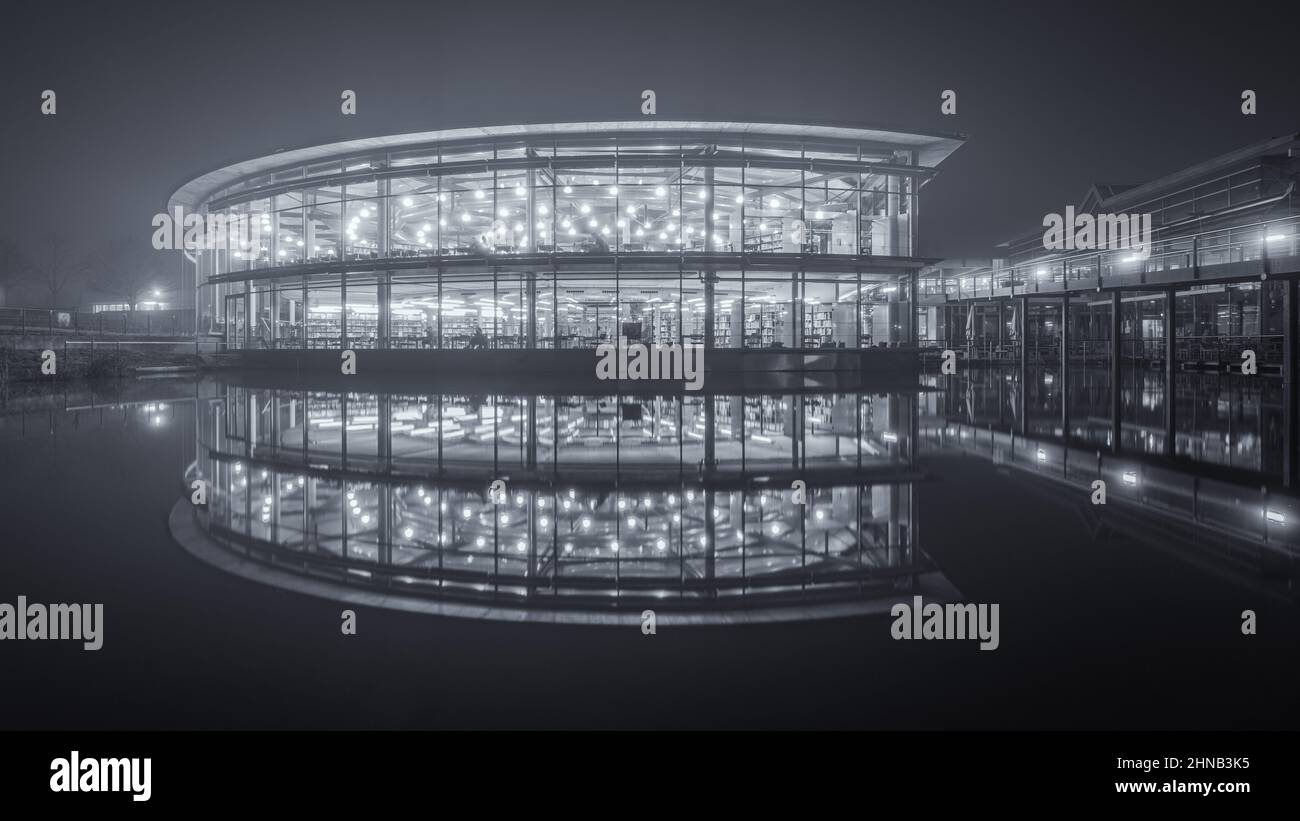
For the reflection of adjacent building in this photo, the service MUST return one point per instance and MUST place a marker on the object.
(679, 501)
(1215, 494)
(1222, 419)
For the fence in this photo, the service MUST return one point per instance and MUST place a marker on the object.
(102, 323)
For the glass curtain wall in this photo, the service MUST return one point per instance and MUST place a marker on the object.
(592, 195)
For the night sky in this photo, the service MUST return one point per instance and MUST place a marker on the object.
(1052, 96)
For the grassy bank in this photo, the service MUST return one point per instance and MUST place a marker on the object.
(20, 369)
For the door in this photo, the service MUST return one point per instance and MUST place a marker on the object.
(236, 322)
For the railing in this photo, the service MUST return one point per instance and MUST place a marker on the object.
(55, 321)
(194, 347)
(1236, 244)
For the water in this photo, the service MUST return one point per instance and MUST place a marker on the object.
(1125, 615)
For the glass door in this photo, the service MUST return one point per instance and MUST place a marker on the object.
(236, 321)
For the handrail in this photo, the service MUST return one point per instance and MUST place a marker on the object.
(1184, 248)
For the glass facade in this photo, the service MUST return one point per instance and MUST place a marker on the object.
(564, 240)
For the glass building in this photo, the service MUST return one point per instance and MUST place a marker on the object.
(733, 235)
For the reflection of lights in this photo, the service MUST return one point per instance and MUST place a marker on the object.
(660, 544)
(889, 436)
(1042, 455)
(1275, 517)
(408, 533)
(586, 523)
(465, 513)
(821, 514)
(1130, 478)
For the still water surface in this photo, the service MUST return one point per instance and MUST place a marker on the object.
(1123, 615)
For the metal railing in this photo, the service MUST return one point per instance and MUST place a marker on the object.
(1244, 243)
(103, 323)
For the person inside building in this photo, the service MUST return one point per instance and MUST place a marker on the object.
(478, 340)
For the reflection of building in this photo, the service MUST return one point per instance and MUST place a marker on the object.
(609, 502)
(734, 235)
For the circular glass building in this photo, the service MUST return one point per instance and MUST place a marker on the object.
(745, 236)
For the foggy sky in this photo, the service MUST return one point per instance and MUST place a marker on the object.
(1052, 96)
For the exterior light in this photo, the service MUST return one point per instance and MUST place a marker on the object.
(407, 202)
(1130, 478)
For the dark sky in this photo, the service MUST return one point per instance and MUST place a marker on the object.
(1052, 96)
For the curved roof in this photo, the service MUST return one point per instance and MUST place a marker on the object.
(931, 148)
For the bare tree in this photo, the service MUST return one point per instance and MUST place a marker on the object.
(126, 268)
(55, 268)
(15, 267)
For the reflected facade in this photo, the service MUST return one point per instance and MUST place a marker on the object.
(609, 502)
